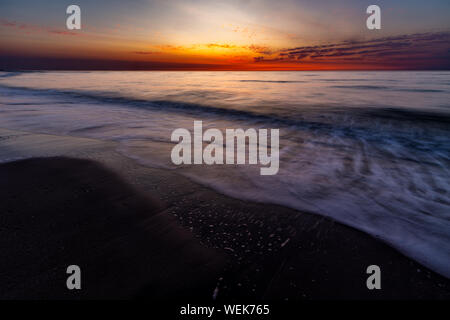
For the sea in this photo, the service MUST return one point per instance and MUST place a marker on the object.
(368, 149)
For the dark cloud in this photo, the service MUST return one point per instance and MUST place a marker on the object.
(428, 49)
(146, 52)
(22, 62)
(28, 28)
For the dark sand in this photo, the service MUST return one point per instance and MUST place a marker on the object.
(55, 212)
(60, 211)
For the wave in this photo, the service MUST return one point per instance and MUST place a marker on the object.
(10, 74)
(274, 81)
(290, 120)
(417, 130)
(409, 115)
(367, 87)
(419, 90)
(373, 87)
(355, 79)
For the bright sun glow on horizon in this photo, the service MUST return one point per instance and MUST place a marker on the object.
(231, 35)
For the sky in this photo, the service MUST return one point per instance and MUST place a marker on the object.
(225, 35)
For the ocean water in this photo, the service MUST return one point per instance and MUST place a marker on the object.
(368, 149)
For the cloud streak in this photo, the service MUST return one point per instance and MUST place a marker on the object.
(28, 28)
(421, 50)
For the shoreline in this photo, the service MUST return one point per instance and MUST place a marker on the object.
(271, 252)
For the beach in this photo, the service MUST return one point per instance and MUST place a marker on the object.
(225, 158)
(142, 232)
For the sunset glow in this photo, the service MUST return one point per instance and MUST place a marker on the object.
(231, 35)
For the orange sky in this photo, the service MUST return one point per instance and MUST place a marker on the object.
(216, 35)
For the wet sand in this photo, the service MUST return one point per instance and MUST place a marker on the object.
(150, 233)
